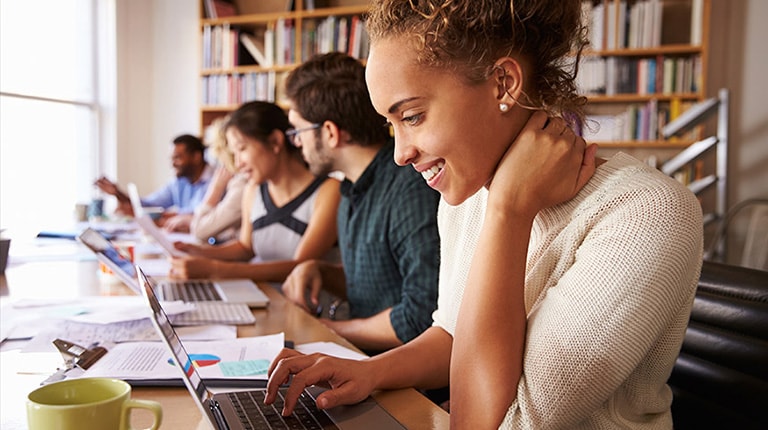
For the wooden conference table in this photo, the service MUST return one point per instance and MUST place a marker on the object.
(47, 279)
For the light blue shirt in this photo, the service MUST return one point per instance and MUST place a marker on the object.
(185, 196)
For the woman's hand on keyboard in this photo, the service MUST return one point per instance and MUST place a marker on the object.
(350, 381)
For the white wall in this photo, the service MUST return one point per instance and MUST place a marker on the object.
(738, 62)
(751, 125)
(157, 86)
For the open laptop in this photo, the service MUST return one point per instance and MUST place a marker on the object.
(191, 290)
(246, 409)
(133, 195)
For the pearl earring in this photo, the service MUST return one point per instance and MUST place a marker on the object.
(503, 107)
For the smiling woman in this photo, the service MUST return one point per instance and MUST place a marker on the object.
(50, 114)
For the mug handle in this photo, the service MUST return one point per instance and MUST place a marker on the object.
(152, 406)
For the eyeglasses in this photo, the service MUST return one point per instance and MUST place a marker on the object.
(293, 133)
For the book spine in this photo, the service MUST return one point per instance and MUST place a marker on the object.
(697, 15)
(206, 47)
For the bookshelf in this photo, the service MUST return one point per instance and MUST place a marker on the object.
(248, 46)
(646, 64)
(645, 78)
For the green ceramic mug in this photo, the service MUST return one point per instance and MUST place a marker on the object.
(86, 404)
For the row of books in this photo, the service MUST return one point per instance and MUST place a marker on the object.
(220, 47)
(638, 122)
(236, 89)
(225, 46)
(642, 23)
(629, 75)
(334, 34)
(637, 26)
(219, 8)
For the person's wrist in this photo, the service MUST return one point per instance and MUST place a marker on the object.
(506, 214)
(378, 368)
(510, 205)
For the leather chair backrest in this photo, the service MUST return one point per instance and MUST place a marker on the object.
(720, 379)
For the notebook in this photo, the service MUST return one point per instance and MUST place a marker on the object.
(192, 290)
(246, 409)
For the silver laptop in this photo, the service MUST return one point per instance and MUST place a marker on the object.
(191, 290)
(133, 195)
(246, 409)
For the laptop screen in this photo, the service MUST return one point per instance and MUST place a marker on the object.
(102, 246)
(133, 195)
(191, 378)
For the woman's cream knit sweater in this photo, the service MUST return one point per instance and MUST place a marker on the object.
(610, 281)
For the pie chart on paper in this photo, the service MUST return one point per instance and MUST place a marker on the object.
(202, 360)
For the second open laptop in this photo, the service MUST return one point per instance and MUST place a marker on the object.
(135, 198)
(246, 409)
(226, 290)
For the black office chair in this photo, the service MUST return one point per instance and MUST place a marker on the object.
(720, 379)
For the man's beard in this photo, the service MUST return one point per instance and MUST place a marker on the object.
(321, 164)
(184, 172)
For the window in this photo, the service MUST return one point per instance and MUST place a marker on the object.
(55, 60)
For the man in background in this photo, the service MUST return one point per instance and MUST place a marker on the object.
(387, 218)
(181, 195)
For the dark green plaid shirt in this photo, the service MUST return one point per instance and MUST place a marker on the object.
(389, 244)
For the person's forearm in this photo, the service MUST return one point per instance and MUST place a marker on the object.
(229, 251)
(121, 196)
(421, 363)
(217, 187)
(490, 330)
(272, 271)
(203, 222)
(210, 221)
(372, 334)
(214, 195)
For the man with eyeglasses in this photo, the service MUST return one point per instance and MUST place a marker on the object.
(387, 218)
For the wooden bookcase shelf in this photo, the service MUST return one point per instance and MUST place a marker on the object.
(260, 18)
(647, 52)
(642, 98)
(645, 77)
(646, 64)
(285, 32)
(644, 144)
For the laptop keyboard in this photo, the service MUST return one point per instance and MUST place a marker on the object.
(215, 313)
(254, 414)
(190, 291)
